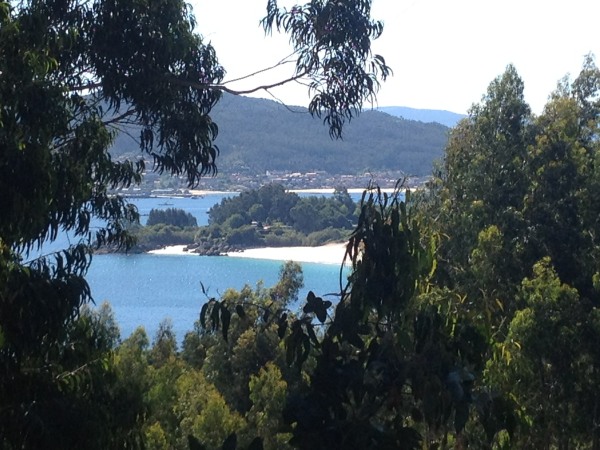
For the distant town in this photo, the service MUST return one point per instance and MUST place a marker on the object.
(154, 184)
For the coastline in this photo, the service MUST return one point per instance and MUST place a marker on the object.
(204, 192)
(195, 193)
(324, 254)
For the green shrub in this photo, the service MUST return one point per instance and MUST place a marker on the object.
(171, 216)
(324, 236)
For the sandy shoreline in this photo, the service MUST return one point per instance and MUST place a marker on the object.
(171, 250)
(324, 254)
(203, 192)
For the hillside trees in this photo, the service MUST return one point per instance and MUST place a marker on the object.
(70, 73)
(484, 174)
(230, 377)
(521, 252)
(271, 204)
(392, 366)
(171, 216)
(401, 144)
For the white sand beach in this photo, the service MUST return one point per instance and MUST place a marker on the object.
(171, 250)
(202, 193)
(324, 254)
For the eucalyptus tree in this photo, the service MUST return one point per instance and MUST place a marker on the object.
(484, 177)
(518, 212)
(70, 74)
(550, 362)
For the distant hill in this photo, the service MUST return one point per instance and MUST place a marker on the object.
(257, 135)
(450, 119)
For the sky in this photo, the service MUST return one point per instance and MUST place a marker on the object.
(444, 53)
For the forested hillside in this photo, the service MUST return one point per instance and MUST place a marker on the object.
(258, 135)
(448, 118)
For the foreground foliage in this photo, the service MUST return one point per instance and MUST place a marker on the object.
(470, 317)
(71, 73)
(517, 200)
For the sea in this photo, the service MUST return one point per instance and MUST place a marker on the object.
(145, 289)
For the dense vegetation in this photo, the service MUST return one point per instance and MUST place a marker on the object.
(268, 216)
(171, 216)
(470, 317)
(277, 212)
(71, 74)
(164, 227)
(258, 135)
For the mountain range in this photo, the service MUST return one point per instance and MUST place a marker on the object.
(257, 135)
(448, 118)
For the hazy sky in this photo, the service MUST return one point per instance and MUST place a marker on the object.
(444, 53)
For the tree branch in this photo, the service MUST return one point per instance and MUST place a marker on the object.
(221, 87)
(266, 69)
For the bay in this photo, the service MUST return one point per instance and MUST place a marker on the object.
(144, 289)
(196, 206)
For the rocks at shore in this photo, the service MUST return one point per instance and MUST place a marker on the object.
(211, 248)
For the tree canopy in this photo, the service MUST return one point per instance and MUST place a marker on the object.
(171, 216)
(470, 317)
(514, 202)
(70, 74)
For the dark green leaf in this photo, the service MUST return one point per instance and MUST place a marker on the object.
(256, 444)
(230, 443)
(321, 314)
(290, 349)
(355, 340)
(239, 309)
(225, 320)
(203, 315)
(214, 315)
(194, 444)
(281, 328)
(311, 333)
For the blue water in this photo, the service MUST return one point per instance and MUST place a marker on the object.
(145, 289)
(197, 207)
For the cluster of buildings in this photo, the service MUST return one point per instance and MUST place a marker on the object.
(154, 184)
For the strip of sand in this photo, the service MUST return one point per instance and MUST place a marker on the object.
(202, 192)
(324, 254)
(171, 250)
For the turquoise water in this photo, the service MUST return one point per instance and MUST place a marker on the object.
(144, 289)
(198, 207)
